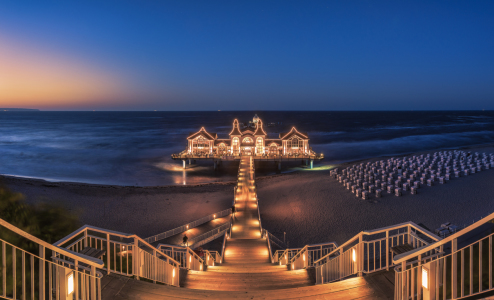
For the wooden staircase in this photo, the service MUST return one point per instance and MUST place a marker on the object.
(246, 265)
(246, 271)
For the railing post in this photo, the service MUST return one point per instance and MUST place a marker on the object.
(360, 255)
(155, 264)
(490, 262)
(85, 238)
(41, 272)
(419, 278)
(187, 258)
(93, 282)
(387, 250)
(454, 268)
(404, 281)
(409, 231)
(108, 260)
(76, 281)
(342, 266)
(135, 258)
(62, 282)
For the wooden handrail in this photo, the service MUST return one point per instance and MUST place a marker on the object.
(407, 255)
(74, 255)
(381, 230)
(111, 232)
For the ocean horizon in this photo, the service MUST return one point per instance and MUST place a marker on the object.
(134, 148)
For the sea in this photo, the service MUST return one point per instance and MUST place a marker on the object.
(134, 148)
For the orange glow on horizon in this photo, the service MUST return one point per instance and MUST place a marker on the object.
(34, 78)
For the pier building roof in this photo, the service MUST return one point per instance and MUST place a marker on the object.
(235, 130)
(294, 131)
(204, 133)
(259, 129)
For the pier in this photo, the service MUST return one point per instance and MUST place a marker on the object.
(253, 142)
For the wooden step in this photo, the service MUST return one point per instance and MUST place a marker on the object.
(355, 288)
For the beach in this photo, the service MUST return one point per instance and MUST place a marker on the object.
(309, 205)
(144, 211)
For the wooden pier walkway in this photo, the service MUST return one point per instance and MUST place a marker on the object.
(246, 264)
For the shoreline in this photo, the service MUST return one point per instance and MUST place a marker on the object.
(230, 182)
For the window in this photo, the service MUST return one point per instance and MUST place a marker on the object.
(235, 143)
(273, 148)
(202, 142)
(222, 148)
(247, 140)
(260, 145)
(295, 143)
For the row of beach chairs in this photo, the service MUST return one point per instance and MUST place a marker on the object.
(407, 174)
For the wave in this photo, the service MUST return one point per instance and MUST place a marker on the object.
(427, 126)
(407, 144)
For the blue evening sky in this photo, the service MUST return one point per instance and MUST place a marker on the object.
(272, 55)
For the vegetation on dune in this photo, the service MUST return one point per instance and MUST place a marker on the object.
(45, 221)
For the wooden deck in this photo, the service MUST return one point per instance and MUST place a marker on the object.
(377, 286)
(238, 158)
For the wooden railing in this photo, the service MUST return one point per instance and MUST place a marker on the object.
(185, 256)
(25, 275)
(368, 251)
(443, 270)
(210, 235)
(306, 257)
(184, 155)
(210, 257)
(187, 226)
(125, 254)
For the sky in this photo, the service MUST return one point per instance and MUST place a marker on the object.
(247, 55)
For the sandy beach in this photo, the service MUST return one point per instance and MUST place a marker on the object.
(309, 205)
(144, 211)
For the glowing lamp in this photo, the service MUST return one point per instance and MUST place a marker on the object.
(214, 216)
(200, 267)
(293, 266)
(425, 278)
(173, 272)
(354, 256)
(187, 226)
(303, 257)
(190, 258)
(70, 283)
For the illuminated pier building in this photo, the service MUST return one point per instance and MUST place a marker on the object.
(249, 141)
